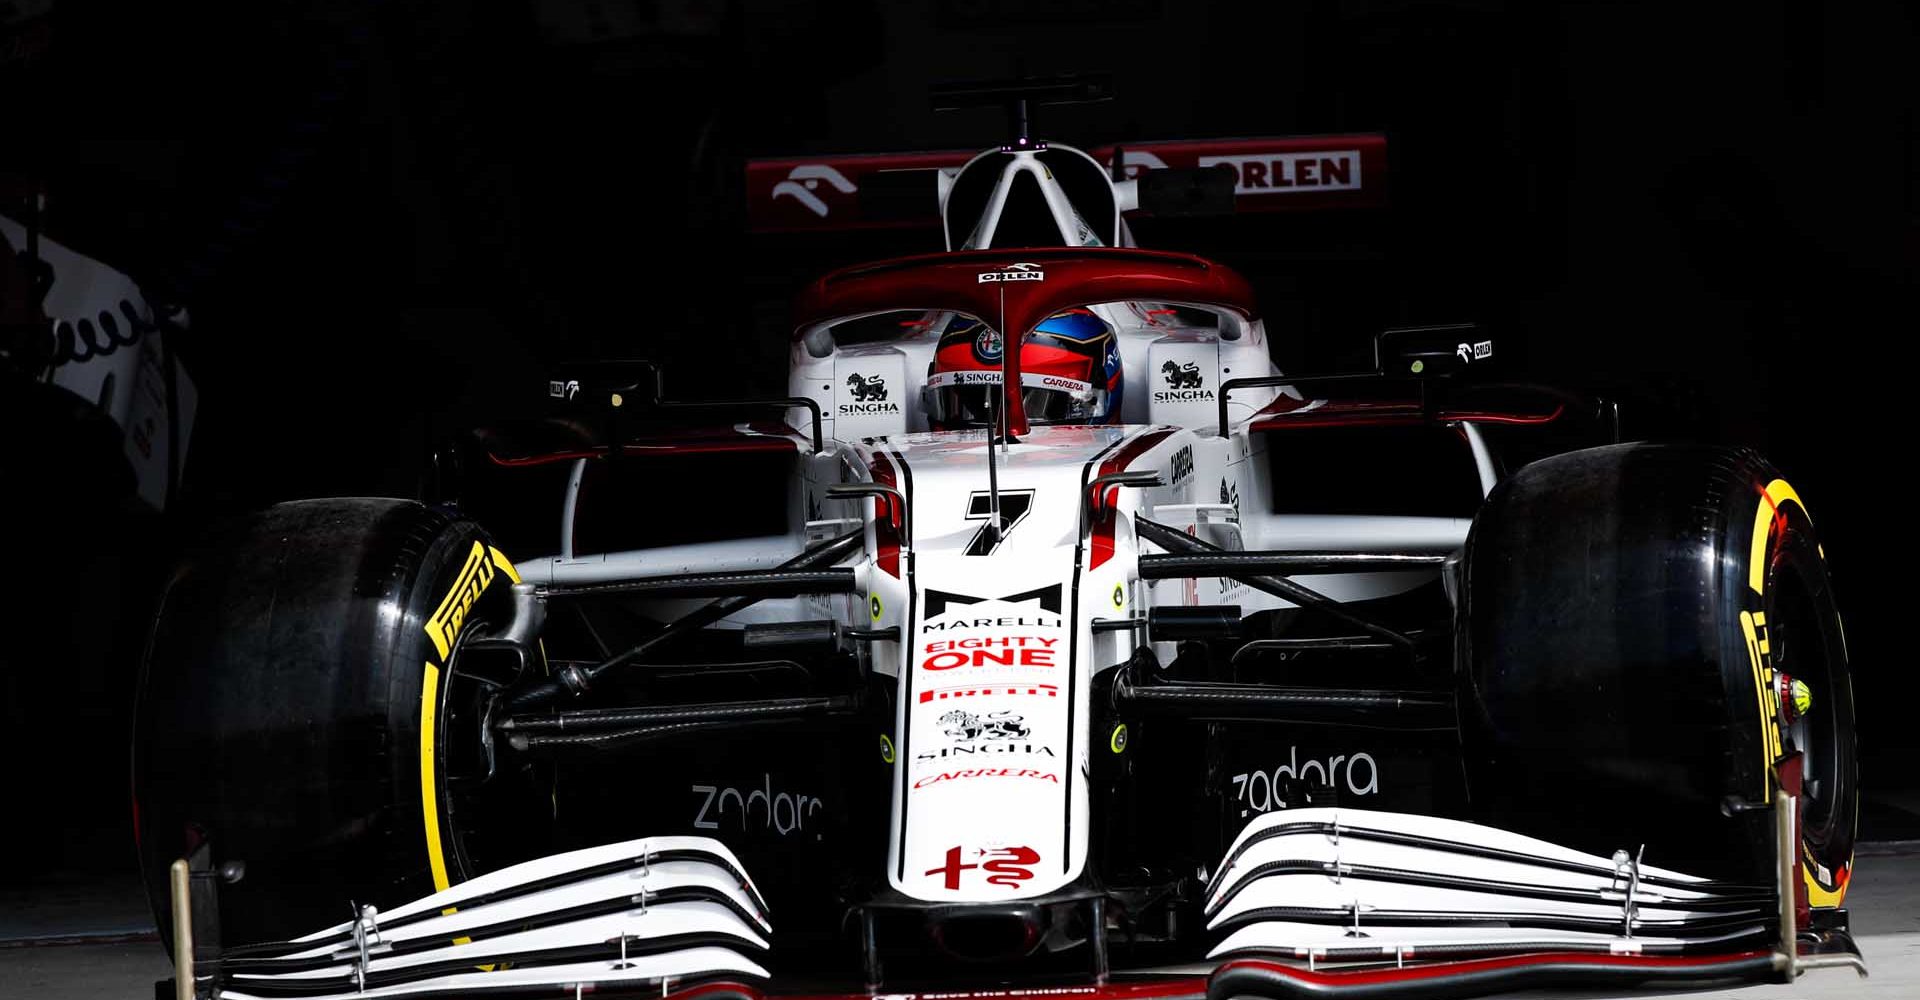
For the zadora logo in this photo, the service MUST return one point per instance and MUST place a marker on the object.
(1261, 791)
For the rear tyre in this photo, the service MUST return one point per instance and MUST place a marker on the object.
(303, 709)
(1628, 611)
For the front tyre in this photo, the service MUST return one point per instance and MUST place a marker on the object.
(303, 709)
(1629, 614)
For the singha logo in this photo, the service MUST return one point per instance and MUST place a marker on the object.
(867, 396)
(968, 727)
(1230, 493)
(1185, 376)
(867, 389)
(1185, 384)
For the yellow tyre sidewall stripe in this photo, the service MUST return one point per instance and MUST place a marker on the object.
(442, 637)
(1776, 496)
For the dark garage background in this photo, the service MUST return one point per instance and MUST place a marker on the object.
(387, 219)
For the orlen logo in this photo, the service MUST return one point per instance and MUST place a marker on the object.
(1014, 272)
(803, 179)
(1139, 161)
(1284, 173)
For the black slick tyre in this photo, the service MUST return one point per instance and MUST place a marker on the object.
(1628, 612)
(302, 709)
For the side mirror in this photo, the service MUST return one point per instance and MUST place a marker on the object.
(604, 384)
(1432, 351)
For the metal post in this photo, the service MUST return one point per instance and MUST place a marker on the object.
(182, 931)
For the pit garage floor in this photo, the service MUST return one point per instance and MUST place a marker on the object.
(112, 953)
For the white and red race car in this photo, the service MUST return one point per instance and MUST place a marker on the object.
(1113, 664)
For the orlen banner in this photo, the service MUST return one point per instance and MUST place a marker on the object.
(988, 752)
(1275, 174)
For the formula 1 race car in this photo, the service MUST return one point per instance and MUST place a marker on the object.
(1044, 640)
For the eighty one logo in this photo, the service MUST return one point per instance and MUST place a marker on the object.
(804, 179)
(967, 727)
(867, 388)
(1014, 272)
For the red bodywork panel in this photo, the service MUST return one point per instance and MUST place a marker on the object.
(819, 193)
(1042, 282)
(1286, 413)
(760, 436)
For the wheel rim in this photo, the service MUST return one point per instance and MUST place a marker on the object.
(1806, 644)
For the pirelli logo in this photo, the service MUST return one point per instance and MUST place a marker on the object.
(444, 626)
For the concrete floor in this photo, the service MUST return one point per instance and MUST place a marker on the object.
(1885, 901)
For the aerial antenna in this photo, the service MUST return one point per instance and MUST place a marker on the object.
(1020, 96)
(995, 414)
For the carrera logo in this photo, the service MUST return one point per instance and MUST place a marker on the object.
(1285, 173)
(804, 179)
(1185, 384)
(1476, 352)
(975, 691)
(564, 390)
(444, 626)
(986, 772)
(1014, 272)
(1182, 465)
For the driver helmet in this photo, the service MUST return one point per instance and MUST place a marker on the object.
(1069, 372)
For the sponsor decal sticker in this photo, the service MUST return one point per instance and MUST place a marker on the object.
(1469, 353)
(444, 626)
(981, 690)
(1007, 866)
(1184, 384)
(1295, 173)
(991, 651)
(1047, 597)
(1260, 791)
(804, 179)
(758, 810)
(1182, 464)
(1014, 505)
(869, 395)
(1014, 272)
(987, 345)
(985, 772)
(966, 727)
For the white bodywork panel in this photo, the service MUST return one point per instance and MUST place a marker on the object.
(127, 382)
